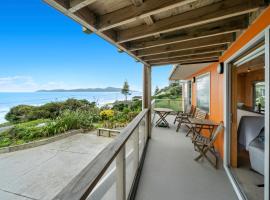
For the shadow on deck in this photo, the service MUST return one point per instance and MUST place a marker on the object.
(170, 173)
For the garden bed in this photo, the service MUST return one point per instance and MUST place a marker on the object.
(38, 142)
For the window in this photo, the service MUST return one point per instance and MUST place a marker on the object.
(259, 94)
(189, 92)
(203, 92)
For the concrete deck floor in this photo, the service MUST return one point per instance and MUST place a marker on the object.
(42, 172)
(170, 173)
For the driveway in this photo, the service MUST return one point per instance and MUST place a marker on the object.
(42, 172)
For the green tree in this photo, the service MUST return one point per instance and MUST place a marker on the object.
(125, 90)
(156, 90)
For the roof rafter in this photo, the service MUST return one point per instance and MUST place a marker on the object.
(183, 57)
(76, 5)
(207, 14)
(148, 19)
(201, 51)
(132, 13)
(203, 31)
(194, 44)
(186, 61)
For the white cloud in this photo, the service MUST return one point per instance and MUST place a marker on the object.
(26, 84)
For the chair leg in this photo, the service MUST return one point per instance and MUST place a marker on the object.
(189, 131)
(203, 151)
(176, 118)
(179, 125)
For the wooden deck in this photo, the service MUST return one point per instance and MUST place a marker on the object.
(169, 171)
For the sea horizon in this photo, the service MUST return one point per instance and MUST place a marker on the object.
(11, 99)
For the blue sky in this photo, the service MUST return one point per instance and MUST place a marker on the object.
(41, 48)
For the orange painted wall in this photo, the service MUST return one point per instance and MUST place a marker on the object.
(217, 91)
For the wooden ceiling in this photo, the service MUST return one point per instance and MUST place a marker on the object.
(160, 32)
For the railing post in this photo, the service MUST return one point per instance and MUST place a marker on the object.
(147, 97)
(121, 174)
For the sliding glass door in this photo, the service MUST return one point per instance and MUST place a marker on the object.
(246, 158)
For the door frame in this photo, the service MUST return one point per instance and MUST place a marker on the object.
(265, 34)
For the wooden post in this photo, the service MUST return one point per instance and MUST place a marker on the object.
(121, 175)
(147, 97)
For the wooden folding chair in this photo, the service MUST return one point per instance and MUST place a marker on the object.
(199, 114)
(179, 115)
(183, 117)
(203, 145)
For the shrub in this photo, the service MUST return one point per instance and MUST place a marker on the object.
(136, 105)
(26, 131)
(69, 120)
(24, 113)
(107, 114)
(120, 106)
(29, 131)
(19, 113)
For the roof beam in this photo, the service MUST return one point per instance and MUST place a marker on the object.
(206, 30)
(87, 16)
(137, 2)
(76, 5)
(201, 51)
(185, 61)
(148, 19)
(132, 13)
(207, 14)
(194, 44)
(187, 57)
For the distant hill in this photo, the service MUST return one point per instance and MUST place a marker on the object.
(107, 89)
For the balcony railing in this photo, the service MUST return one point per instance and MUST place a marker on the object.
(114, 173)
(174, 104)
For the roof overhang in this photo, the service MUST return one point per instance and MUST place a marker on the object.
(159, 33)
(183, 72)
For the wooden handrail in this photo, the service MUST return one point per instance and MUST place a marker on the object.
(81, 186)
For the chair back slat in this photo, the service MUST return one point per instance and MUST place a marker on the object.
(218, 130)
(200, 114)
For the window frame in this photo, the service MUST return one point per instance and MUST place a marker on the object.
(254, 92)
(209, 91)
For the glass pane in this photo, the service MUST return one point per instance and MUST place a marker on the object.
(106, 187)
(141, 137)
(130, 162)
(259, 90)
(174, 104)
(203, 92)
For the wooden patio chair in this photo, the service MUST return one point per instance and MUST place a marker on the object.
(183, 116)
(199, 114)
(188, 111)
(203, 145)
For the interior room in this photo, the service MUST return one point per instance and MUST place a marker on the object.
(248, 84)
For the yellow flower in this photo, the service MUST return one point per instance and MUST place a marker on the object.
(107, 113)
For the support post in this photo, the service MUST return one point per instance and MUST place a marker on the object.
(147, 97)
(121, 175)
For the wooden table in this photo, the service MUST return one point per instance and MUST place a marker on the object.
(163, 113)
(200, 124)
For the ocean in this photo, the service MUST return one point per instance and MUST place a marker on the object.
(9, 100)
